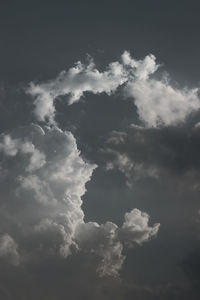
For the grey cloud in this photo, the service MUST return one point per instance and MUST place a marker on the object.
(157, 153)
(11, 147)
(103, 241)
(9, 249)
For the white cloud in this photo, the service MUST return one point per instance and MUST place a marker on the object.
(159, 104)
(50, 190)
(141, 69)
(75, 82)
(135, 229)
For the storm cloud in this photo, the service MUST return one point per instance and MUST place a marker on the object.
(99, 150)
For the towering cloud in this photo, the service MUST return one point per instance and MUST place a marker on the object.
(42, 180)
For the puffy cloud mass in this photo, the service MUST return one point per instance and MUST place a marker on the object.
(46, 188)
(75, 82)
(107, 240)
(42, 180)
(158, 102)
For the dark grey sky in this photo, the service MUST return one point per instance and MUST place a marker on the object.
(152, 167)
(41, 38)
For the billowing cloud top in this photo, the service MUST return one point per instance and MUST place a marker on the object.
(75, 82)
(158, 102)
(41, 213)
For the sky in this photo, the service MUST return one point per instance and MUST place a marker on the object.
(99, 150)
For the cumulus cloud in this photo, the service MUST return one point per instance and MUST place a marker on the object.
(158, 102)
(48, 193)
(135, 229)
(140, 69)
(107, 240)
(75, 82)
(43, 178)
(12, 147)
(103, 241)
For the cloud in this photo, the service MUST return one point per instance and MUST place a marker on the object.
(132, 169)
(170, 154)
(12, 147)
(103, 241)
(135, 229)
(75, 82)
(9, 249)
(107, 240)
(43, 178)
(140, 69)
(45, 193)
(158, 102)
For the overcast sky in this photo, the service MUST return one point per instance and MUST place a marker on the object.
(100, 150)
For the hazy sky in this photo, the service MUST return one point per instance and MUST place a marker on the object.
(99, 150)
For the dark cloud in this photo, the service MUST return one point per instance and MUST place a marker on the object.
(191, 266)
(140, 152)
